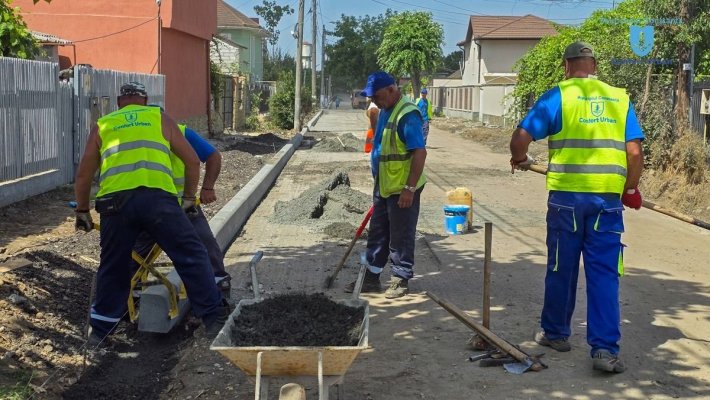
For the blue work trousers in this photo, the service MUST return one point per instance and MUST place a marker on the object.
(145, 242)
(158, 213)
(392, 234)
(591, 225)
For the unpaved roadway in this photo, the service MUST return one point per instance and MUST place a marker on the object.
(419, 351)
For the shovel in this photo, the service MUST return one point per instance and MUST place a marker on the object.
(331, 278)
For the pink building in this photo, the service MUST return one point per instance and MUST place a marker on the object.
(138, 36)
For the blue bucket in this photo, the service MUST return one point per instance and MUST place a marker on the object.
(455, 219)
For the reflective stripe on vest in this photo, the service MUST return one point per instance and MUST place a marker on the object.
(589, 153)
(395, 160)
(178, 170)
(134, 152)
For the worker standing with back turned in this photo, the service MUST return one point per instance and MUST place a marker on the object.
(398, 157)
(131, 147)
(595, 163)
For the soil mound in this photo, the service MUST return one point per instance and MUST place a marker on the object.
(343, 143)
(330, 201)
(298, 320)
(343, 230)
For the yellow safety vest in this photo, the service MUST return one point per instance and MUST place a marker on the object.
(134, 152)
(395, 160)
(178, 169)
(589, 153)
(429, 109)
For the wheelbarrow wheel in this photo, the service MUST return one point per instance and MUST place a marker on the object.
(292, 391)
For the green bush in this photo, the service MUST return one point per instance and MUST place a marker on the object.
(281, 104)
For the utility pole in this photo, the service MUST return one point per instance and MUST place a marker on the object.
(299, 67)
(322, 70)
(330, 88)
(314, 36)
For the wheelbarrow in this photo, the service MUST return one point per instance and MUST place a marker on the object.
(328, 363)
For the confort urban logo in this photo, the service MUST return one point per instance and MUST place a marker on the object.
(641, 38)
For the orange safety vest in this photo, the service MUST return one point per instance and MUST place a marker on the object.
(369, 138)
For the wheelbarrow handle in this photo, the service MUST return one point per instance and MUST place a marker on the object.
(252, 267)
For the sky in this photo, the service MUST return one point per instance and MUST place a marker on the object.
(453, 15)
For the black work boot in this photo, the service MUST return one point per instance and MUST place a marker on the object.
(371, 284)
(213, 327)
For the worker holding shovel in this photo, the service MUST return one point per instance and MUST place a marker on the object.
(398, 156)
(596, 160)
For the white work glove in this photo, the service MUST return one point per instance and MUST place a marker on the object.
(521, 165)
(189, 206)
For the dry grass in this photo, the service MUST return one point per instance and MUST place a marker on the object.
(683, 183)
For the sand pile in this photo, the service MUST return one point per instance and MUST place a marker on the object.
(346, 142)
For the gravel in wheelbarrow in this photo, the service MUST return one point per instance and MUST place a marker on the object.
(295, 335)
(298, 320)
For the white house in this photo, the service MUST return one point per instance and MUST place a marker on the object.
(226, 54)
(492, 46)
(494, 43)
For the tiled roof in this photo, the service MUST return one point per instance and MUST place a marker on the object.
(229, 17)
(508, 27)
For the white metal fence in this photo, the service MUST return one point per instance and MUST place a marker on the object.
(486, 103)
(44, 123)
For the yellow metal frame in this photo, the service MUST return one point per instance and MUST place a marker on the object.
(146, 267)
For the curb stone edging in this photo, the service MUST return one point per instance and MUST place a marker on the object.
(231, 218)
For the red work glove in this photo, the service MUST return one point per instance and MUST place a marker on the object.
(632, 198)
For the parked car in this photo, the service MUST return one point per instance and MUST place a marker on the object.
(358, 101)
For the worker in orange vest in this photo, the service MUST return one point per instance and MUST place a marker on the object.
(372, 113)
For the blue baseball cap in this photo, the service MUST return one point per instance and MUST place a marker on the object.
(424, 91)
(376, 81)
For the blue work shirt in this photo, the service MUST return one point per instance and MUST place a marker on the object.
(424, 108)
(202, 147)
(409, 131)
(545, 118)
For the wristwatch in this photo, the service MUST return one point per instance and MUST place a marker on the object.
(410, 188)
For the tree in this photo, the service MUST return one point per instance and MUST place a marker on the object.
(411, 46)
(352, 57)
(451, 62)
(677, 39)
(15, 38)
(272, 14)
(540, 68)
(277, 63)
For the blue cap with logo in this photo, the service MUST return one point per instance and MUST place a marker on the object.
(376, 81)
(424, 91)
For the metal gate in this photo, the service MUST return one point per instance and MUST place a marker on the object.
(227, 106)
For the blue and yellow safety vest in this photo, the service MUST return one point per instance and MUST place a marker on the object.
(134, 152)
(589, 153)
(395, 160)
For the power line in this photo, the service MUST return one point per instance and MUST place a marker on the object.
(463, 9)
(115, 33)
